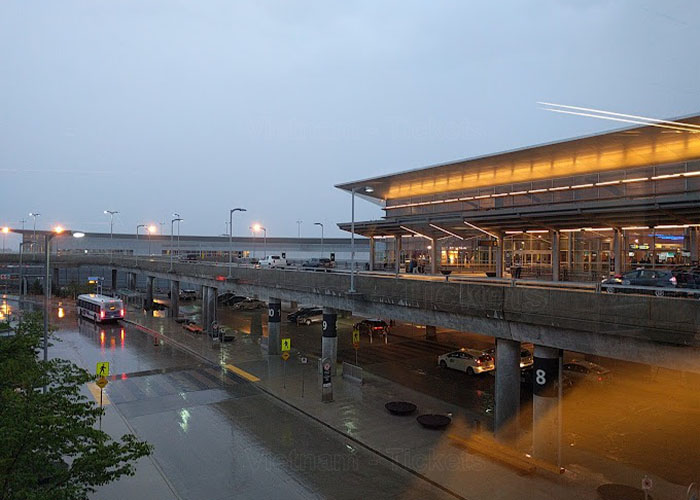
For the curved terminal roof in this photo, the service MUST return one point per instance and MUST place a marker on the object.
(620, 149)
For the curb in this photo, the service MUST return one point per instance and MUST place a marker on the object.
(303, 412)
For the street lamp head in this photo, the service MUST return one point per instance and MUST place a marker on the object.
(78, 234)
(151, 229)
(58, 229)
(318, 224)
(238, 210)
(257, 227)
(5, 230)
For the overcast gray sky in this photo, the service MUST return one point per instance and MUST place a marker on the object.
(150, 107)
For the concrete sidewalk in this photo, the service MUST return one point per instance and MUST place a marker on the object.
(358, 413)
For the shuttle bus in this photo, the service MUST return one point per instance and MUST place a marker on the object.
(100, 307)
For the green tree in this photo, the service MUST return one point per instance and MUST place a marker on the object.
(51, 448)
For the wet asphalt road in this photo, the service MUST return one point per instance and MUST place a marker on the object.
(217, 436)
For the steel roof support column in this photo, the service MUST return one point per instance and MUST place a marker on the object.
(499, 255)
(397, 253)
(617, 250)
(555, 255)
(372, 243)
(434, 255)
(694, 250)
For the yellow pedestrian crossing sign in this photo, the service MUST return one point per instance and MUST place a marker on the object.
(102, 369)
(286, 344)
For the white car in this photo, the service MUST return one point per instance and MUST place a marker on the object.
(471, 361)
(273, 261)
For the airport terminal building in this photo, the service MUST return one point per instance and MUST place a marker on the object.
(578, 209)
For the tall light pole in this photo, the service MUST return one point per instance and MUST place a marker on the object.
(320, 224)
(366, 189)
(230, 237)
(35, 215)
(111, 227)
(299, 228)
(177, 219)
(21, 269)
(136, 250)
(151, 229)
(177, 216)
(258, 227)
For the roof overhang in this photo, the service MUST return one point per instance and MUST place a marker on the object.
(620, 149)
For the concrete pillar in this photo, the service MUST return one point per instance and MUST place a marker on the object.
(570, 251)
(205, 307)
(212, 296)
(499, 256)
(434, 256)
(131, 281)
(507, 389)
(293, 304)
(546, 411)
(371, 252)
(274, 326)
(430, 332)
(397, 253)
(617, 250)
(555, 255)
(329, 340)
(174, 298)
(114, 282)
(149, 293)
(256, 324)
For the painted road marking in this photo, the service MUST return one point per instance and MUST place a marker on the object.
(242, 373)
(95, 391)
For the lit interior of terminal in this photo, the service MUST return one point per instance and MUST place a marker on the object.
(580, 209)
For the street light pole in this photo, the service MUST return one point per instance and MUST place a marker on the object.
(299, 228)
(177, 215)
(136, 250)
(230, 237)
(111, 227)
(21, 269)
(34, 215)
(177, 219)
(5, 230)
(320, 224)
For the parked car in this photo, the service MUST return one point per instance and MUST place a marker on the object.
(249, 304)
(471, 361)
(642, 278)
(372, 327)
(319, 263)
(273, 261)
(292, 316)
(314, 315)
(687, 278)
(230, 299)
(579, 370)
(185, 294)
(526, 358)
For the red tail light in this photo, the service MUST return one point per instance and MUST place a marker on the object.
(102, 315)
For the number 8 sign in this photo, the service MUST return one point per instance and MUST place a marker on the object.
(545, 375)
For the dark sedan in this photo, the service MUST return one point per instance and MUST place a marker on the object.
(642, 278)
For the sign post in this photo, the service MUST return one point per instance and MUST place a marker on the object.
(102, 371)
(286, 347)
(303, 360)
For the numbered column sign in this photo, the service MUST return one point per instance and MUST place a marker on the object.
(274, 312)
(544, 377)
